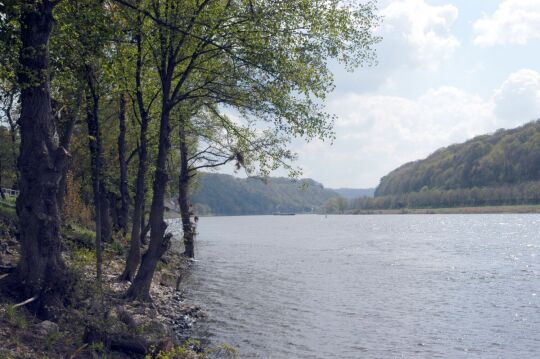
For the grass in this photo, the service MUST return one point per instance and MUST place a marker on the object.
(80, 235)
(8, 212)
(84, 256)
(15, 317)
(9, 200)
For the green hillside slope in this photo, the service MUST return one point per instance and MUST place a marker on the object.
(221, 194)
(490, 170)
(507, 157)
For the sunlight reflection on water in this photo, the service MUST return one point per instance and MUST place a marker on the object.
(414, 286)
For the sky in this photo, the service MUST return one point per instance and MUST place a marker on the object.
(448, 70)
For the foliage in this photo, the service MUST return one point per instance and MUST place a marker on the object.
(498, 169)
(522, 193)
(221, 194)
(231, 81)
(8, 156)
(336, 205)
(74, 210)
(506, 157)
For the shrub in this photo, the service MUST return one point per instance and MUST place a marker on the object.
(74, 210)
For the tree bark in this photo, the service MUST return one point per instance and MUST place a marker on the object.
(124, 191)
(106, 209)
(134, 255)
(183, 193)
(94, 144)
(41, 271)
(159, 243)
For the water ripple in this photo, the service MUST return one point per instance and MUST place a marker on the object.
(434, 286)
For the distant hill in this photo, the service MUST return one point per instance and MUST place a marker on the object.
(352, 193)
(506, 157)
(500, 168)
(221, 194)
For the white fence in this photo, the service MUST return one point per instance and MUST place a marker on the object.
(8, 192)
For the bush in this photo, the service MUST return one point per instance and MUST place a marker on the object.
(74, 210)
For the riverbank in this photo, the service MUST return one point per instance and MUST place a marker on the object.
(96, 322)
(454, 210)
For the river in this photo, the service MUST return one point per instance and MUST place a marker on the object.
(392, 286)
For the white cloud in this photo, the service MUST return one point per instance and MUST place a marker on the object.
(416, 37)
(514, 22)
(376, 134)
(416, 34)
(518, 98)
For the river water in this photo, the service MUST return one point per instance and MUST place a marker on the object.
(403, 286)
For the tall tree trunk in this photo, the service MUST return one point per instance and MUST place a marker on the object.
(94, 144)
(41, 271)
(183, 194)
(134, 256)
(159, 243)
(124, 191)
(106, 208)
(145, 226)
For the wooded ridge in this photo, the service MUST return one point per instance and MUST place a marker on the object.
(502, 168)
(220, 194)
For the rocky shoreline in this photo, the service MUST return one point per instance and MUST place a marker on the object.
(102, 324)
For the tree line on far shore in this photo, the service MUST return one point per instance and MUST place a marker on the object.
(523, 193)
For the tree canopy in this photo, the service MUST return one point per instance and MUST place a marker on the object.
(114, 105)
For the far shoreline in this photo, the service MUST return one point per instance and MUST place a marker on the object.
(508, 209)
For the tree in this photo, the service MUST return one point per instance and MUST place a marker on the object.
(123, 166)
(142, 111)
(91, 32)
(41, 271)
(96, 153)
(270, 52)
(208, 139)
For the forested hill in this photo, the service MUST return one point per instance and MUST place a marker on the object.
(221, 194)
(498, 169)
(505, 158)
